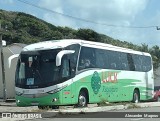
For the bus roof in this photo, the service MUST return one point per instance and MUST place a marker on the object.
(52, 44)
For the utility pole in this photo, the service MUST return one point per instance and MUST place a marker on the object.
(158, 28)
(2, 64)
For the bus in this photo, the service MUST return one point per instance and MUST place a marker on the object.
(79, 72)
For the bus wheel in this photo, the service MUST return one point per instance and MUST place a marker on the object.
(55, 107)
(41, 107)
(136, 97)
(82, 99)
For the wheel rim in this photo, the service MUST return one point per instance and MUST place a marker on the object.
(82, 100)
(136, 98)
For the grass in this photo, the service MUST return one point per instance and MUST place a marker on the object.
(132, 105)
(129, 105)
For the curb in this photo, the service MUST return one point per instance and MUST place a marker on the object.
(149, 104)
(92, 109)
(72, 111)
(106, 108)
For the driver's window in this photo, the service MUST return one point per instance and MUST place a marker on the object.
(65, 68)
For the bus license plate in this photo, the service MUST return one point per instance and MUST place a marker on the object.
(34, 103)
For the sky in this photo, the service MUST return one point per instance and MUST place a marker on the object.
(123, 14)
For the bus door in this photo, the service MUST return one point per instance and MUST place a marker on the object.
(67, 84)
(147, 69)
(149, 84)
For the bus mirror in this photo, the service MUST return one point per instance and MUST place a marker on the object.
(11, 58)
(3, 43)
(60, 55)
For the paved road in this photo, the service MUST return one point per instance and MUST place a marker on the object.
(117, 111)
(80, 117)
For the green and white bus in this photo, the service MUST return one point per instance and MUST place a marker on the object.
(79, 72)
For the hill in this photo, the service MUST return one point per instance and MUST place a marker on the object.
(20, 27)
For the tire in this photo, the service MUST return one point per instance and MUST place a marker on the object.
(41, 107)
(82, 99)
(55, 107)
(136, 98)
(48, 107)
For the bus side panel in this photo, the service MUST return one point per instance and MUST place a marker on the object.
(67, 95)
(103, 88)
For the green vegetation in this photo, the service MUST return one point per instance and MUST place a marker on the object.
(133, 105)
(24, 28)
(128, 105)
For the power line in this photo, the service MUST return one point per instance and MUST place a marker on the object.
(158, 28)
(85, 20)
(2, 65)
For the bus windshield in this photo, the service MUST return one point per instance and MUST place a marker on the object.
(37, 69)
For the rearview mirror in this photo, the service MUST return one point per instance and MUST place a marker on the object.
(11, 58)
(60, 55)
(3, 43)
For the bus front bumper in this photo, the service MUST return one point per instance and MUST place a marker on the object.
(48, 100)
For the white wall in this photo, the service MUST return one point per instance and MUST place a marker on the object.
(9, 72)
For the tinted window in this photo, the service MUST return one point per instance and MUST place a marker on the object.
(124, 61)
(130, 62)
(37, 69)
(108, 59)
(101, 58)
(73, 57)
(87, 58)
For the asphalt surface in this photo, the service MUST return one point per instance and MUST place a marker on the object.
(154, 111)
(110, 112)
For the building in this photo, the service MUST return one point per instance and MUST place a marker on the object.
(9, 72)
(157, 77)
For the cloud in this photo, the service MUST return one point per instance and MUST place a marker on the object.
(9, 1)
(108, 11)
(55, 5)
(6, 2)
(155, 20)
(111, 12)
(119, 12)
(59, 20)
(153, 35)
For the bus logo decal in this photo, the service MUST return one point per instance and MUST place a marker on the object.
(112, 77)
(96, 82)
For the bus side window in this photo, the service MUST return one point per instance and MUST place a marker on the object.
(147, 63)
(100, 59)
(113, 66)
(124, 66)
(144, 69)
(87, 58)
(130, 62)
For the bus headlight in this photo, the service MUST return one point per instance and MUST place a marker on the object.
(18, 93)
(18, 101)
